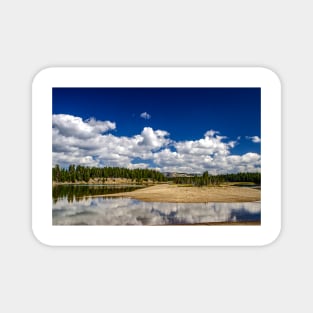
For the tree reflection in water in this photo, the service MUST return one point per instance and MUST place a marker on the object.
(82, 192)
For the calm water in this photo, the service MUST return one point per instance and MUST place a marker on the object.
(81, 192)
(71, 206)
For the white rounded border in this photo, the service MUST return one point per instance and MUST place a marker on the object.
(48, 78)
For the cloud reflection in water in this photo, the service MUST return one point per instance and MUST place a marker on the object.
(126, 211)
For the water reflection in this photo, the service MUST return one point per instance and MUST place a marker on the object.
(125, 211)
(81, 192)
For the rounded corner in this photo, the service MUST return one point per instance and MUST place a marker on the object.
(38, 239)
(271, 74)
(41, 74)
(276, 235)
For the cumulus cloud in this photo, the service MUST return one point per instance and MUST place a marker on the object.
(210, 144)
(85, 142)
(145, 115)
(210, 153)
(73, 126)
(138, 165)
(89, 142)
(216, 164)
(154, 139)
(254, 139)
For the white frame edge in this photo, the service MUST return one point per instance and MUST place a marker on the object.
(261, 77)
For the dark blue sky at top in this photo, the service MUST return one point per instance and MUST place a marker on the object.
(186, 113)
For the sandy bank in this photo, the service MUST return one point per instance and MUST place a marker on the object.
(174, 193)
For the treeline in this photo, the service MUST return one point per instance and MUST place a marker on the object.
(212, 180)
(243, 177)
(81, 173)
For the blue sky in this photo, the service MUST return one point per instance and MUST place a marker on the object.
(184, 114)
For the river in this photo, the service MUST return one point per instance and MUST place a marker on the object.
(84, 205)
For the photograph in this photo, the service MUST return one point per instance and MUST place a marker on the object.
(156, 156)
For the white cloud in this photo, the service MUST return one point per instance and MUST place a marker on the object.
(208, 153)
(73, 126)
(145, 115)
(77, 141)
(210, 144)
(138, 165)
(211, 133)
(153, 139)
(82, 142)
(216, 164)
(254, 139)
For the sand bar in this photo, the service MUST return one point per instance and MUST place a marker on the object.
(175, 193)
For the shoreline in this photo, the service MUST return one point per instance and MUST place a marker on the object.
(108, 182)
(229, 223)
(182, 194)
